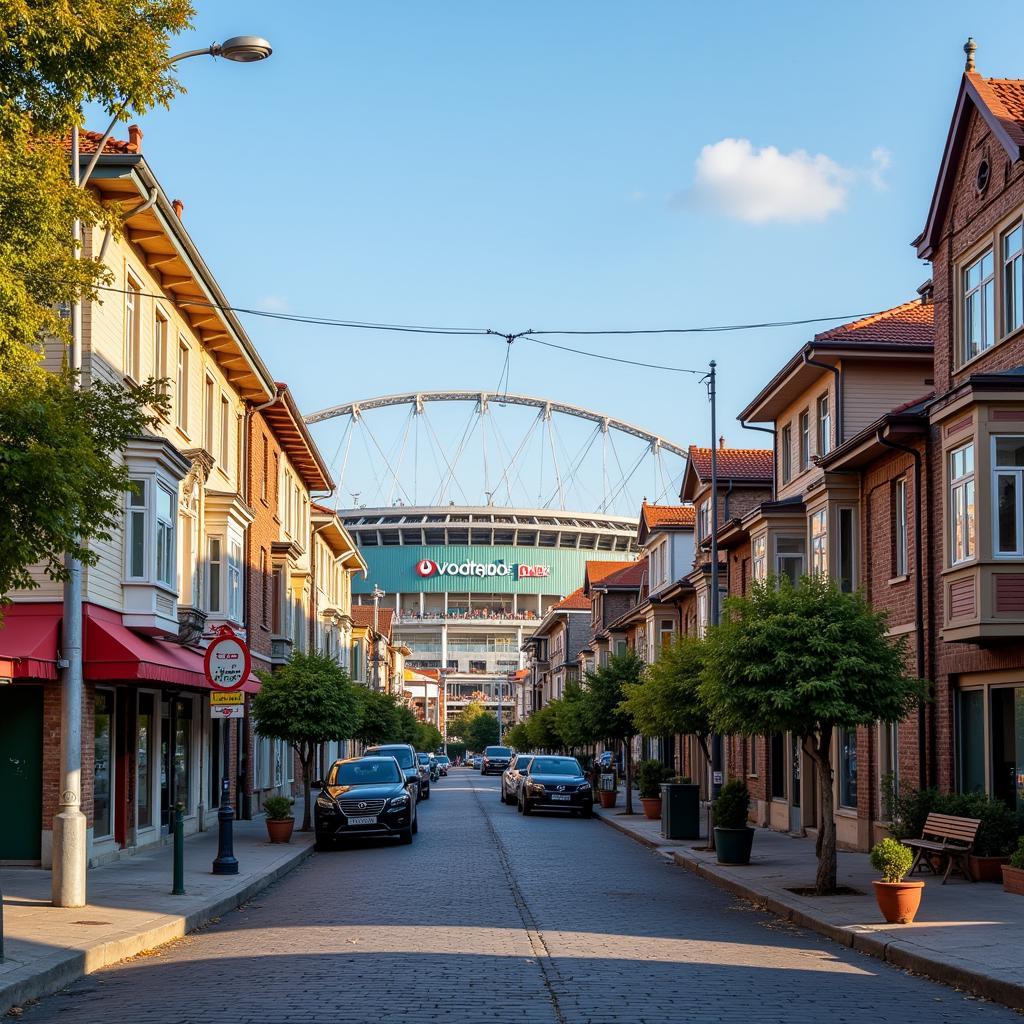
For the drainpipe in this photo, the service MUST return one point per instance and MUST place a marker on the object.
(774, 433)
(154, 192)
(808, 361)
(922, 746)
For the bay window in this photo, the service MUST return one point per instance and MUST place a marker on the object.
(166, 564)
(978, 306)
(1013, 278)
(136, 540)
(235, 581)
(789, 558)
(215, 574)
(819, 542)
(1007, 469)
(961, 504)
(150, 543)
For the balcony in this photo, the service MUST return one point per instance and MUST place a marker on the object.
(983, 601)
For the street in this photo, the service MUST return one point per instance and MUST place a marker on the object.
(490, 916)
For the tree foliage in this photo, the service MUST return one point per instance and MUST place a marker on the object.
(807, 660)
(482, 731)
(542, 728)
(378, 717)
(518, 736)
(572, 720)
(308, 701)
(406, 725)
(428, 737)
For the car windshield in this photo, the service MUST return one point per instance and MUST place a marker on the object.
(424, 758)
(555, 766)
(443, 760)
(498, 752)
(523, 762)
(373, 771)
(403, 755)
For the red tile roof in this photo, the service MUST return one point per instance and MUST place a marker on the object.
(668, 515)
(576, 601)
(909, 324)
(632, 575)
(362, 615)
(754, 464)
(88, 141)
(1004, 97)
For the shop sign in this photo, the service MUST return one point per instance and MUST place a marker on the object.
(227, 711)
(227, 661)
(499, 569)
(226, 698)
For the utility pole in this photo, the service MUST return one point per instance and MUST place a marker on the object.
(713, 606)
(376, 594)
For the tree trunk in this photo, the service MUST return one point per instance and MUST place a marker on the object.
(306, 752)
(628, 760)
(821, 751)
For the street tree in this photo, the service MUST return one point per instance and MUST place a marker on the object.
(307, 701)
(482, 731)
(428, 737)
(60, 491)
(378, 716)
(461, 724)
(518, 736)
(542, 728)
(406, 725)
(808, 660)
(605, 690)
(571, 719)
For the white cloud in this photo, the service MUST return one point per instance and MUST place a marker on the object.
(881, 160)
(273, 304)
(762, 185)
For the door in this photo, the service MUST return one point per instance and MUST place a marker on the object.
(21, 771)
(795, 823)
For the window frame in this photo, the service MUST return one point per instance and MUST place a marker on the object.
(901, 545)
(1015, 473)
(224, 455)
(759, 558)
(137, 506)
(965, 483)
(979, 291)
(1011, 268)
(165, 531)
(132, 326)
(182, 375)
(209, 413)
(786, 452)
(824, 425)
(215, 592)
(161, 343)
(804, 426)
(817, 547)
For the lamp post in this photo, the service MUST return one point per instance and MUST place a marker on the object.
(68, 888)
(377, 594)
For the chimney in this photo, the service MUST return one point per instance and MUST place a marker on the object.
(179, 207)
(721, 444)
(970, 48)
(927, 292)
(135, 138)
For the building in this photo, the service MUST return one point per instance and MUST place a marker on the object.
(552, 651)
(466, 586)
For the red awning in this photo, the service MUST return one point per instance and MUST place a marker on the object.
(28, 641)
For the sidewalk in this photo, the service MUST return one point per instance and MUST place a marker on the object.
(968, 936)
(130, 908)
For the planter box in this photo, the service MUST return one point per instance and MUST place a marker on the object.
(898, 901)
(733, 845)
(987, 869)
(1013, 880)
(652, 807)
(279, 830)
(608, 799)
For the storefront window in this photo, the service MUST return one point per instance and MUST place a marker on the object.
(102, 800)
(778, 766)
(1008, 744)
(972, 741)
(144, 763)
(848, 767)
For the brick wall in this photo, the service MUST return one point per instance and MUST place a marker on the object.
(262, 533)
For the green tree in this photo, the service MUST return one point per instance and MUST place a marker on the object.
(378, 716)
(518, 736)
(667, 701)
(606, 690)
(482, 731)
(406, 725)
(807, 660)
(308, 701)
(571, 720)
(542, 728)
(60, 491)
(460, 724)
(428, 737)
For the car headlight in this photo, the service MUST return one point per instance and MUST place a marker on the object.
(325, 803)
(583, 788)
(535, 787)
(400, 801)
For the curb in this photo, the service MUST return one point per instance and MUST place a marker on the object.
(892, 951)
(78, 964)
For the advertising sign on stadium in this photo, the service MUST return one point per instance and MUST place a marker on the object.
(499, 569)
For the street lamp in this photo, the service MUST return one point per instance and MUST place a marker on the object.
(69, 824)
(377, 594)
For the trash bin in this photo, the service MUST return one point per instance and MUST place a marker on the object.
(680, 810)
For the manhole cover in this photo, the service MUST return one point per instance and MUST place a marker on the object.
(92, 923)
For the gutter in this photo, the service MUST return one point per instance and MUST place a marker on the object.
(808, 361)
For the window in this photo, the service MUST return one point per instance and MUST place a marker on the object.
(961, 503)
(263, 470)
(847, 767)
(161, 333)
(778, 765)
(899, 527)
(759, 549)
(182, 386)
(264, 584)
(235, 581)
(787, 453)
(225, 433)
(215, 574)
(145, 735)
(972, 741)
(103, 766)
(789, 558)
(1013, 279)
(805, 440)
(166, 564)
(276, 599)
(847, 552)
(1007, 470)
(132, 329)
(136, 540)
(752, 755)
(209, 424)
(824, 426)
(819, 542)
(704, 521)
(978, 306)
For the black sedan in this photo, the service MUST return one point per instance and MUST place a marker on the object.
(555, 784)
(361, 797)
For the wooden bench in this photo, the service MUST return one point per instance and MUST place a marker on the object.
(945, 837)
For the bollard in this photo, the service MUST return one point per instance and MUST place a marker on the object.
(179, 850)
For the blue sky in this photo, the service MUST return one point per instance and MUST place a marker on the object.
(544, 165)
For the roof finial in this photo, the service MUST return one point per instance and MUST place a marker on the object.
(970, 47)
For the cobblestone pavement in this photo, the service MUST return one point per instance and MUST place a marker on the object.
(492, 917)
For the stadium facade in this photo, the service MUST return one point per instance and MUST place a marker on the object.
(468, 585)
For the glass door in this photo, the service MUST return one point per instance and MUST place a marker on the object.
(144, 763)
(103, 772)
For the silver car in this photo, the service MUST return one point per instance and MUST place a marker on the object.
(512, 777)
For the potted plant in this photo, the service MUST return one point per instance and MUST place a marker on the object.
(649, 777)
(280, 821)
(897, 898)
(1013, 873)
(733, 836)
(996, 835)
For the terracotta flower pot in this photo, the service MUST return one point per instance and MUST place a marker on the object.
(986, 869)
(280, 829)
(609, 798)
(898, 901)
(652, 807)
(1013, 880)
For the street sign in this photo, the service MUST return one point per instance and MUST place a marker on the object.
(227, 662)
(716, 778)
(227, 711)
(222, 698)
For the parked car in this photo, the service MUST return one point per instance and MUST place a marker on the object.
(495, 760)
(512, 778)
(427, 761)
(405, 755)
(477, 761)
(443, 764)
(556, 784)
(364, 796)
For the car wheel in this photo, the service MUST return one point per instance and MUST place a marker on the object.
(405, 836)
(426, 793)
(526, 808)
(322, 845)
(587, 812)
(415, 825)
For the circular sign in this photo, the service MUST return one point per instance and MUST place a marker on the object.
(426, 567)
(227, 662)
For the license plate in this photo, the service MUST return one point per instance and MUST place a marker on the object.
(363, 821)
(561, 796)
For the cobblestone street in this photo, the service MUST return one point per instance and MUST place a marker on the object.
(490, 916)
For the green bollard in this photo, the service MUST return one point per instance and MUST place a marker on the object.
(179, 850)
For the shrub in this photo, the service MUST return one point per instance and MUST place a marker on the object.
(732, 805)
(997, 832)
(1017, 857)
(278, 808)
(891, 859)
(649, 777)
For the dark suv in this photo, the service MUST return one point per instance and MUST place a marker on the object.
(405, 755)
(496, 760)
(361, 797)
